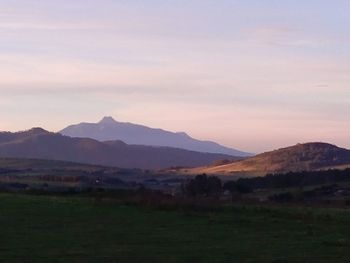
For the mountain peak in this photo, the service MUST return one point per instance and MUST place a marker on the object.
(36, 130)
(109, 129)
(310, 147)
(107, 120)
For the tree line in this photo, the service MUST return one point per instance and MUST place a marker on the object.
(213, 186)
(297, 179)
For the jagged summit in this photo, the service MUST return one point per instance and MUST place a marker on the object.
(108, 120)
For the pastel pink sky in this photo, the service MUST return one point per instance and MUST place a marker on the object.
(255, 75)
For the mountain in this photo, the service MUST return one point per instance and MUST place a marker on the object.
(109, 129)
(40, 144)
(301, 157)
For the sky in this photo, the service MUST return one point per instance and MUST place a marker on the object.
(254, 75)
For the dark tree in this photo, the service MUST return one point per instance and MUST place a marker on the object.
(202, 185)
(214, 186)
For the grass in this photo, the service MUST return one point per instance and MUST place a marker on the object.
(73, 229)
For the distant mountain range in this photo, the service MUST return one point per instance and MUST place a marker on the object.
(109, 129)
(301, 157)
(40, 144)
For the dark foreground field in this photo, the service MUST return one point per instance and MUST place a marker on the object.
(70, 229)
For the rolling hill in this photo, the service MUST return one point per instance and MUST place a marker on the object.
(50, 165)
(40, 144)
(301, 157)
(109, 129)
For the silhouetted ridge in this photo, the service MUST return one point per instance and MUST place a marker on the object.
(109, 129)
(40, 144)
(116, 143)
(6, 137)
(36, 130)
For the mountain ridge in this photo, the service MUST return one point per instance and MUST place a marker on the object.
(40, 144)
(109, 129)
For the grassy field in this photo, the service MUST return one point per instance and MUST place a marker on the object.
(71, 229)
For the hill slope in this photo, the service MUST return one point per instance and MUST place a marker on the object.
(109, 129)
(40, 144)
(50, 165)
(301, 157)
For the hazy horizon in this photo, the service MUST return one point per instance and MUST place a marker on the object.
(252, 75)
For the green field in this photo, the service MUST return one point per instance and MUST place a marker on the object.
(75, 229)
